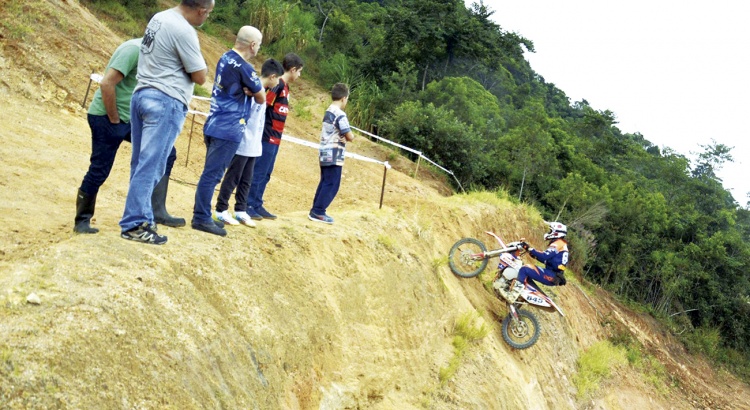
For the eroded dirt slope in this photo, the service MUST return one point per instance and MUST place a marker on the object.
(292, 314)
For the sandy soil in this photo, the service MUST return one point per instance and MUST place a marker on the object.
(292, 314)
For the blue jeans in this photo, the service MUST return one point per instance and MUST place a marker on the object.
(156, 120)
(330, 180)
(219, 154)
(262, 174)
(105, 141)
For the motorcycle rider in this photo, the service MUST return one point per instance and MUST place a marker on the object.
(555, 259)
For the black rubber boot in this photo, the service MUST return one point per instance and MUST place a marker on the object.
(158, 203)
(85, 205)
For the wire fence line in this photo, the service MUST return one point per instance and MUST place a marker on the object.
(97, 78)
(414, 151)
(419, 154)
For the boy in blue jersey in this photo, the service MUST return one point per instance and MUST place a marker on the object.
(555, 260)
(240, 172)
(235, 80)
(333, 138)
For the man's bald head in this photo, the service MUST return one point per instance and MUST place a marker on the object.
(248, 34)
(248, 41)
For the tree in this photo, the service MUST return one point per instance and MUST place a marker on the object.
(711, 160)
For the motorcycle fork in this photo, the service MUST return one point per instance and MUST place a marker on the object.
(513, 311)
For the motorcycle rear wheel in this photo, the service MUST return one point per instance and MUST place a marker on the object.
(523, 333)
(466, 257)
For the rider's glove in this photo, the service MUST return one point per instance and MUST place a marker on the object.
(525, 246)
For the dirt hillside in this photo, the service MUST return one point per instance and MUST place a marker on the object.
(290, 315)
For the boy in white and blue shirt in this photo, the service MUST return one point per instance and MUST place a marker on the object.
(335, 134)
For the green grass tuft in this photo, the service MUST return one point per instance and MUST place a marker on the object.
(200, 91)
(595, 365)
(468, 328)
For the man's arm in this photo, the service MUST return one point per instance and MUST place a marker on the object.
(199, 77)
(109, 96)
(348, 136)
(260, 97)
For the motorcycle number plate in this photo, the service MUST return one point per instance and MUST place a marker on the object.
(535, 300)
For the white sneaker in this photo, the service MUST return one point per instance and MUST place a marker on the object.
(226, 218)
(244, 219)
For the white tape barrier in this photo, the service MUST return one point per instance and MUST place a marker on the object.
(395, 144)
(389, 141)
(98, 78)
(404, 148)
(346, 154)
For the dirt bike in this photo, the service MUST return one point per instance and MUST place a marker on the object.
(469, 257)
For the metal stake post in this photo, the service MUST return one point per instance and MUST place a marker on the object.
(190, 139)
(416, 172)
(85, 97)
(386, 165)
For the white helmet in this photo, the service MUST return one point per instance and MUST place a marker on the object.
(556, 231)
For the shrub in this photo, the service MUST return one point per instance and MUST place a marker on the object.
(443, 138)
(595, 365)
(703, 340)
(467, 329)
(128, 17)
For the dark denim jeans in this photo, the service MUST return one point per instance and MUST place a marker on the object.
(156, 120)
(262, 174)
(330, 180)
(219, 154)
(239, 175)
(105, 141)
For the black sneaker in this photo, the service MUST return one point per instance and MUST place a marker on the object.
(253, 214)
(209, 227)
(265, 214)
(145, 233)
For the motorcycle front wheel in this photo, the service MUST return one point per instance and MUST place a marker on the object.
(521, 333)
(466, 257)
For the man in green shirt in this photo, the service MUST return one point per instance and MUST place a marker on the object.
(109, 120)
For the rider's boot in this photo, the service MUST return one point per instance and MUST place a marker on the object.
(515, 289)
(501, 286)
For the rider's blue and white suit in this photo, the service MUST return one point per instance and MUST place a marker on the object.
(555, 259)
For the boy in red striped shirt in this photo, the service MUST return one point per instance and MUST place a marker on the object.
(277, 109)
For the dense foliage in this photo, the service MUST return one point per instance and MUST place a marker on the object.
(647, 223)
(126, 16)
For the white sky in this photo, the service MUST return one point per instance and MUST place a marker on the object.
(675, 71)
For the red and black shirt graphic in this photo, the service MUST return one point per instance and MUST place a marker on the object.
(277, 99)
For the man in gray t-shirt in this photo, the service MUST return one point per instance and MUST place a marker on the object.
(169, 63)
